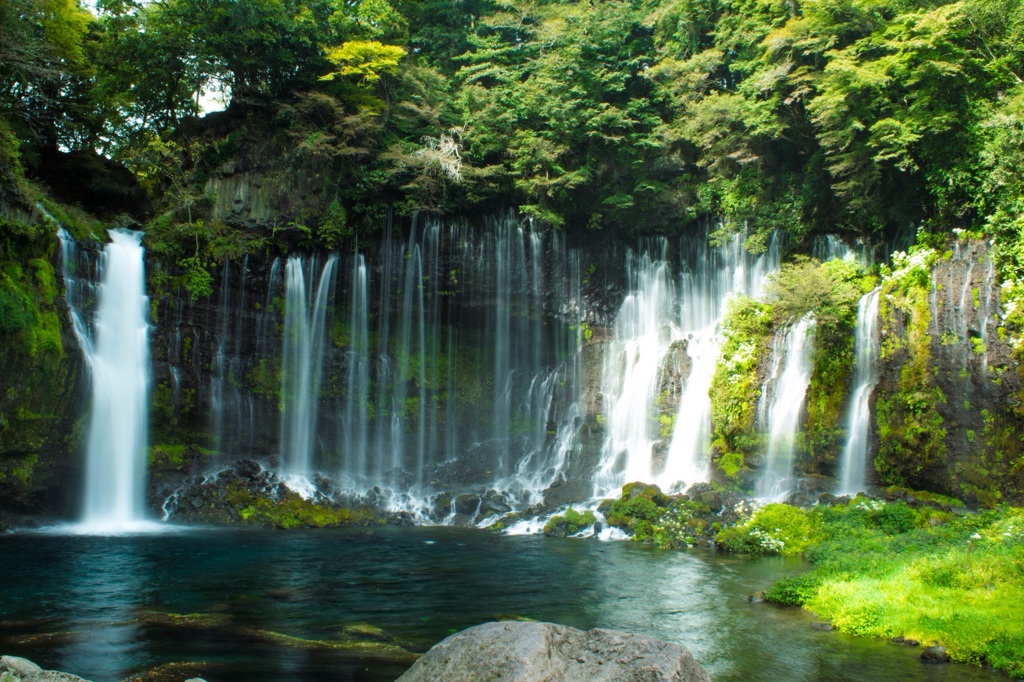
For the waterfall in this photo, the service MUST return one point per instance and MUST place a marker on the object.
(795, 357)
(456, 364)
(644, 330)
(662, 318)
(356, 401)
(302, 362)
(713, 277)
(116, 348)
(853, 461)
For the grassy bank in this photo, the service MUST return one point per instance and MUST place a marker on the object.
(885, 569)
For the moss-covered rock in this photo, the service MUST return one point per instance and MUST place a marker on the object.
(736, 386)
(569, 523)
(911, 430)
(41, 375)
(246, 494)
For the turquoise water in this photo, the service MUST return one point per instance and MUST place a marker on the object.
(97, 606)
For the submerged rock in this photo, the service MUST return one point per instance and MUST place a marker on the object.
(935, 654)
(16, 669)
(532, 651)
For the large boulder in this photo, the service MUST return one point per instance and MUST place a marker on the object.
(15, 669)
(536, 652)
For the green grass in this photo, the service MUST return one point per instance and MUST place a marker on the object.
(886, 569)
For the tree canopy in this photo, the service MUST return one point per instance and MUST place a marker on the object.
(864, 116)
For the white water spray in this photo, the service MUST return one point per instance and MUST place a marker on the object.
(302, 366)
(655, 315)
(785, 407)
(118, 358)
(853, 461)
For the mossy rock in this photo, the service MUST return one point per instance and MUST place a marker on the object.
(571, 523)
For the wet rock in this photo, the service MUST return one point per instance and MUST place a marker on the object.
(713, 499)
(16, 669)
(801, 500)
(532, 651)
(756, 598)
(467, 505)
(493, 503)
(561, 493)
(248, 469)
(821, 626)
(827, 499)
(648, 490)
(659, 454)
(935, 654)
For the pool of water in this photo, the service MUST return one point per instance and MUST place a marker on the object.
(264, 605)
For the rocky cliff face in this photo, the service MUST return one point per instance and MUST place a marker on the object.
(438, 322)
(947, 408)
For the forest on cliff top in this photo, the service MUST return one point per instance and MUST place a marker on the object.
(867, 116)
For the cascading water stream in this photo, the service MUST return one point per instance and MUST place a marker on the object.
(659, 321)
(451, 351)
(714, 276)
(785, 407)
(116, 349)
(643, 333)
(302, 364)
(853, 461)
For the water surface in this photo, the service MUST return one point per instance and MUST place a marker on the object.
(97, 606)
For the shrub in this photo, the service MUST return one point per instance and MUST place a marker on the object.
(795, 590)
(896, 518)
(774, 529)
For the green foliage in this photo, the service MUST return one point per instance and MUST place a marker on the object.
(896, 518)
(911, 431)
(198, 280)
(645, 116)
(637, 509)
(570, 523)
(793, 591)
(291, 511)
(773, 529)
(334, 228)
(830, 291)
(366, 60)
(735, 388)
(880, 572)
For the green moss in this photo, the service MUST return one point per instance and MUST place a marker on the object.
(264, 379)
(170, 455)
(291, 511)
(911, 432)
(19, 470)
(571, 523)
(735, 388)
(637, 510)
(928, 496)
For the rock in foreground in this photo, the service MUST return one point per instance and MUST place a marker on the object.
(15, 669)
(532, 652)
